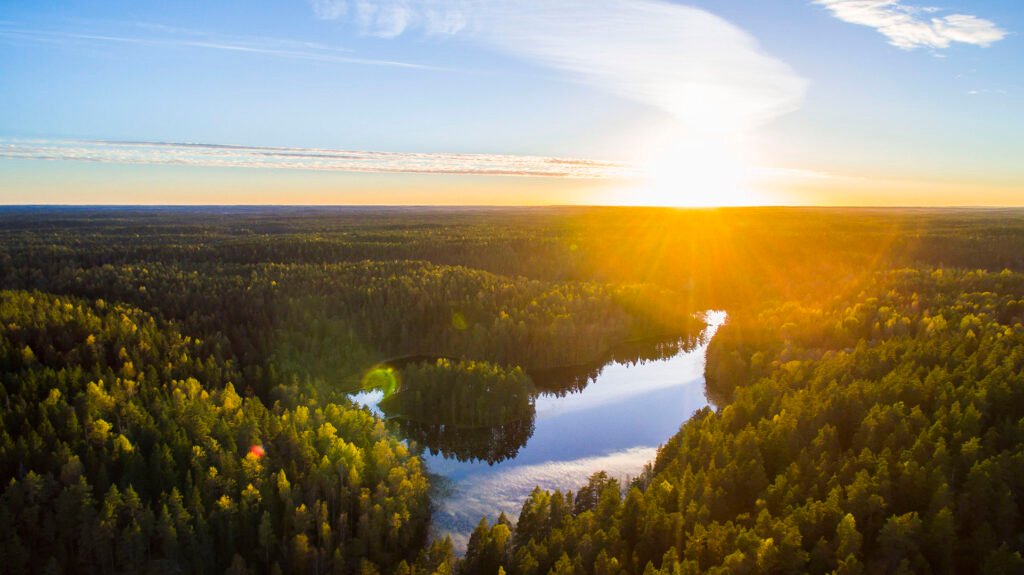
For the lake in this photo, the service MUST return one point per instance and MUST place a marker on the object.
(609, 417)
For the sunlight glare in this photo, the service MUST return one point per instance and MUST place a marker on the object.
(696, 172)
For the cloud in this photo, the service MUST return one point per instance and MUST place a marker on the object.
(329, 9)
(391, 18)
(314, 159)
(982, 91)
(685, 61)
(910, 27)
(181, 38)
(325, 160)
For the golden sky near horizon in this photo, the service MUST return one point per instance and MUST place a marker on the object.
(41, 182)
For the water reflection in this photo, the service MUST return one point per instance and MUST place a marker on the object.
(561, 381)
(488, 414)
(490, 445)
(610, 416)
(615, 423)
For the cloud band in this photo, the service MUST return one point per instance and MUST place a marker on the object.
(316, 159)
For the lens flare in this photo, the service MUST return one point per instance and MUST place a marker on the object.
(381, 378)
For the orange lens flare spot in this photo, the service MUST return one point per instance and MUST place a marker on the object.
(257, 451)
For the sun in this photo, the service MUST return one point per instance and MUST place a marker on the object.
(695, 172)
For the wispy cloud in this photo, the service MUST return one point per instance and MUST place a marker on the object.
(690, 63)
(909, 27)
(329, 9)
(391, 18)
(227, 156)
(182, 38)
(983, 91)
(356, 161)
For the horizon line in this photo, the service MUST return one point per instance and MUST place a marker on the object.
(520, 206)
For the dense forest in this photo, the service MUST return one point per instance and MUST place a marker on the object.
(175, 387)
(878, 434)
(119, 459)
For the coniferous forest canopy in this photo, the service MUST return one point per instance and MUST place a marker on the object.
(176, 387)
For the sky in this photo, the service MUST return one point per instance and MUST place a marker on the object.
(652, 102)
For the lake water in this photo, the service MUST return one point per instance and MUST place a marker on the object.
(615, 423)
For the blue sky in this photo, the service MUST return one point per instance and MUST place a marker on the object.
(837, 101)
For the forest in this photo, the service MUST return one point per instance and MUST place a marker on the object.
(176, 387)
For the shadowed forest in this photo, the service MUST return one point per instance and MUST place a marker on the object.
(176, 387)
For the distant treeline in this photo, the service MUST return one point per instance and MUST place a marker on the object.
(722, 256)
